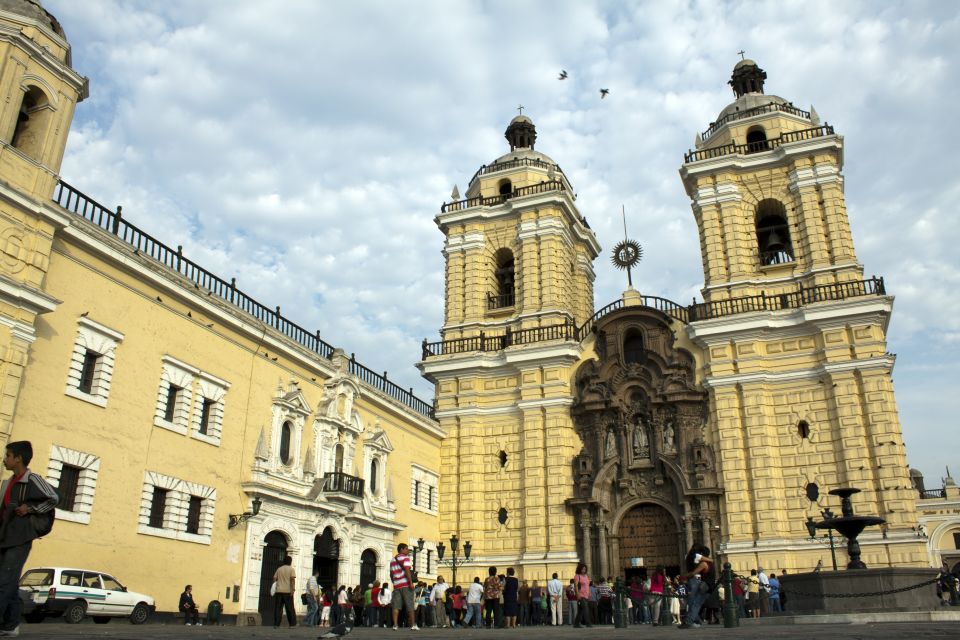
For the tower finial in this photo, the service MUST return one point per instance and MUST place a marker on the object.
(520, 108)
(742, 56)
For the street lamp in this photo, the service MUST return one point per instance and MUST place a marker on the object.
(454, 561)
(236, 519)
(416, 550)
(812, 530)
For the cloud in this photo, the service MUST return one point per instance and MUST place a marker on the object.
(306, 147)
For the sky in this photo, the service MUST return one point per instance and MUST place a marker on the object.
(305, 147)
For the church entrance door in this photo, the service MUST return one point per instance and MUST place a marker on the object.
(648, 531)
(274, 551)
(326, 559)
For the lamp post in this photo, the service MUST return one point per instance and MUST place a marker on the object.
(454, 561)
(812, 530)
(417, 549)
(235, 519)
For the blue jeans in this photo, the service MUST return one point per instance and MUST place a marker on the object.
(694, 601)
(312, 612)
(775, 603)
(12, 560)
(473, 613)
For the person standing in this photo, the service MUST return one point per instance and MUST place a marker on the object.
(385, 600)
(582, 583)
(401, 574)
(655, 595)
(775, 594)
(571, 595)
(474, 598)
(313, 600)
(555, 593)
(491, 595)
(699, 574)
(753, 594)
(764, 591)
(24, 494)
(511, 607)
(191, 615)
(438, 602)
(523, 600)
(285, 578)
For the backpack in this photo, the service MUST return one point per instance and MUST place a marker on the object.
(42, 523)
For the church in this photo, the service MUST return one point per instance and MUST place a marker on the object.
(180, 418)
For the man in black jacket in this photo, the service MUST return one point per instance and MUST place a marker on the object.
(189, 608)
(25, 494)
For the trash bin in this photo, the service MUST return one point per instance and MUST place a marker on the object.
(214, 610)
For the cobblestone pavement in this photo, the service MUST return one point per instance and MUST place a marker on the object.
(122, 629)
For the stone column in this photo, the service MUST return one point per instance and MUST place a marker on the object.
(587, 541)
(688, 524)
(602, 547)
(615, 561)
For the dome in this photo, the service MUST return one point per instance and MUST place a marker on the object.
(33, 10)
(749, 101)
(915, 473)
(746, 62)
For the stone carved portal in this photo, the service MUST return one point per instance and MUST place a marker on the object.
(646, 481)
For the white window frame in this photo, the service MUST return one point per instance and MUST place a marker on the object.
(89, 466)
(209, 388)
(177, 508)
(427, 478)
(102, 340)
(178, 374)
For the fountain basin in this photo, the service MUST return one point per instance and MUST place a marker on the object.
(809, 593)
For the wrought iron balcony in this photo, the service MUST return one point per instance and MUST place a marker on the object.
(758, 146)
(749, 113)
(500, 301)
(933, 494)
(340, 484)
(489, 201)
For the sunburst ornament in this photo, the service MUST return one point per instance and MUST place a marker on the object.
(627, 252)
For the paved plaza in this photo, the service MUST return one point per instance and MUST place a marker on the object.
(881, 631)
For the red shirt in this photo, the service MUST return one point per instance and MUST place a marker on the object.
(14, 480)
(375, 597)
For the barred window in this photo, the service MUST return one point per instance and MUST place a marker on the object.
(173, 393)
(205, 411)
(67, 487)
(90, 360)
(429, 561)
(193, 514)
(157, 507)
(416, 492)
(430, 502)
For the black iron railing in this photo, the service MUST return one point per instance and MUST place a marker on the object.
(933, 494)
(686, 314)
(749, 113)
(144, 244)
(499, 301)
(513, 164)
(340, 482)
(489, 201)
(771, 258)
(756, 147)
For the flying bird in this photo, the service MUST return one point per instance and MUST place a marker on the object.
(563, 75)
(603, 93)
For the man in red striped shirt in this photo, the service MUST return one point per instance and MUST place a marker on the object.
(401, 575)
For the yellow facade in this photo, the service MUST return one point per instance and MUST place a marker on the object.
(174, 400)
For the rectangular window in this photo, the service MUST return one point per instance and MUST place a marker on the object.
(88, 371)
(429, 558)
(430, 501)
(173, 394)
(205, 412)
(157, 507)
(67, 487)
(193, 514)
(416, 492)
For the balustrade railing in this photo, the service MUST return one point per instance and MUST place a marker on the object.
(758, 146)
(144, 244)
(686, 314)
(499, 301)
(340, 482)
(749, 113)
(933, 494)
(488, 201)
(513, 164)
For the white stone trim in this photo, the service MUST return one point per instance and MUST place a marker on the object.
(769, 282)
(177, 508)
(22, 296)
(89, 466)
(884, 363)
(102, 340)
(175, 374)
(424, 479)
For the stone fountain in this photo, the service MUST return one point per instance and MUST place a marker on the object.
(816, 592)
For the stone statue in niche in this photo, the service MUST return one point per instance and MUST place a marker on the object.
(641, 443)
(610, 450)
(669, 438)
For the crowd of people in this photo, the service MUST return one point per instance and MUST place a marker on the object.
(501, 600)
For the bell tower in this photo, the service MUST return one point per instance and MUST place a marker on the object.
(792, 336)
(519, 281)
(40, 92)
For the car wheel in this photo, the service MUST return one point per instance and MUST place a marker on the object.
(75, 612)
(101, 619)
(139, 614)
(33, 618)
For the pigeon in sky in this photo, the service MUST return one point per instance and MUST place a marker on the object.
(563, 74)
(603, 93)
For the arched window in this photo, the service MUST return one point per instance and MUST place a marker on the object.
(32, 123)
(374, 475)
(757, 140)
(773, 233)
(504, 296)
(505, 188)
(286, 434)
(633, 346)
(338, 458)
